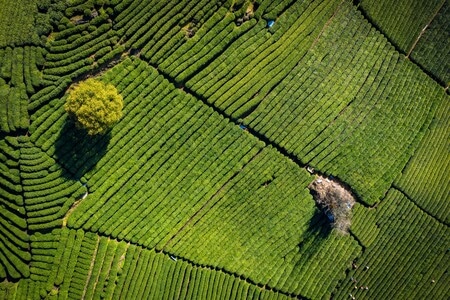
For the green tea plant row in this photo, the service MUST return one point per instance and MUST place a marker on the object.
(23, 289)
(432, 50)
(70, 264)
(313, 110)
(395, 19)
(44, 136)
(61, 264)
(320, 110)
(408, 259)
(14, 240)
(96, 43)
(60, 139)
(171, 34)
(158, 29)
(76, 49)
(426, 176)
(48, 191)
(364, 225)
(198, 51)
(147, 203)
(8, 291)
(259, 226)
(19, 66)
(19, 76)
(369, 141)
(144, 24)
(17, 25)
(148, 275)
(80, 48)
(273, 9)
(344, 137)
(82, 264)
(13, 111)
(248, 49)
(207, 48)
(43, 250)
(242, 84)
(177, 145)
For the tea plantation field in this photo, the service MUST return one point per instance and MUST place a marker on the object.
(231, 109)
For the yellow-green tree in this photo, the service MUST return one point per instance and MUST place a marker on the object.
(94, 105)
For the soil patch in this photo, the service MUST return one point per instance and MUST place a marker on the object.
(334, 200)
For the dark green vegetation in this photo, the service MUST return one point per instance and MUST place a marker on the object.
(200, 189)
(420, 29)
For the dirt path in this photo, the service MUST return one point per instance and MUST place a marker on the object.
(91, 267)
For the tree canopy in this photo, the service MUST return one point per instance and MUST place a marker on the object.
(94, 105)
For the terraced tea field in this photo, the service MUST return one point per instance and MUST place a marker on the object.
(231, 110)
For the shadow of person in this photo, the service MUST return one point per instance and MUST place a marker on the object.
(77, 151)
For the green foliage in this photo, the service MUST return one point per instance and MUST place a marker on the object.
(19, 77)
(14, 245)
(179, 177)
(401, 20)
(290, 90)
(432, 50)
(86, 266)
(407, 258)
(426, 178)
(17, 23)
(94, 105)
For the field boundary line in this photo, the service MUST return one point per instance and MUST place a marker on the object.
(425, 28)
(401, 51)
(418, 206)
(193, 264)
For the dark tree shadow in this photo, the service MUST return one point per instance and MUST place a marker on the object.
(319, 228)
(77, 151)
(319, 225)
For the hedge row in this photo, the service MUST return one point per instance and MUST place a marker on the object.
(77, 49)
(17, 23)
(256, 69)
(18, 77)
(83, 265)
(432, 51)
(261, 217)
(176, 143)
(145, 26)
(341, 128)
(395, 19)
(426, 176)
(43, 251)
(48, 196)
(408, 259)
(150, 275)
(14, 240)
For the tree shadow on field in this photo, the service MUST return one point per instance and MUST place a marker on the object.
(319, 228)
(77, 151)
